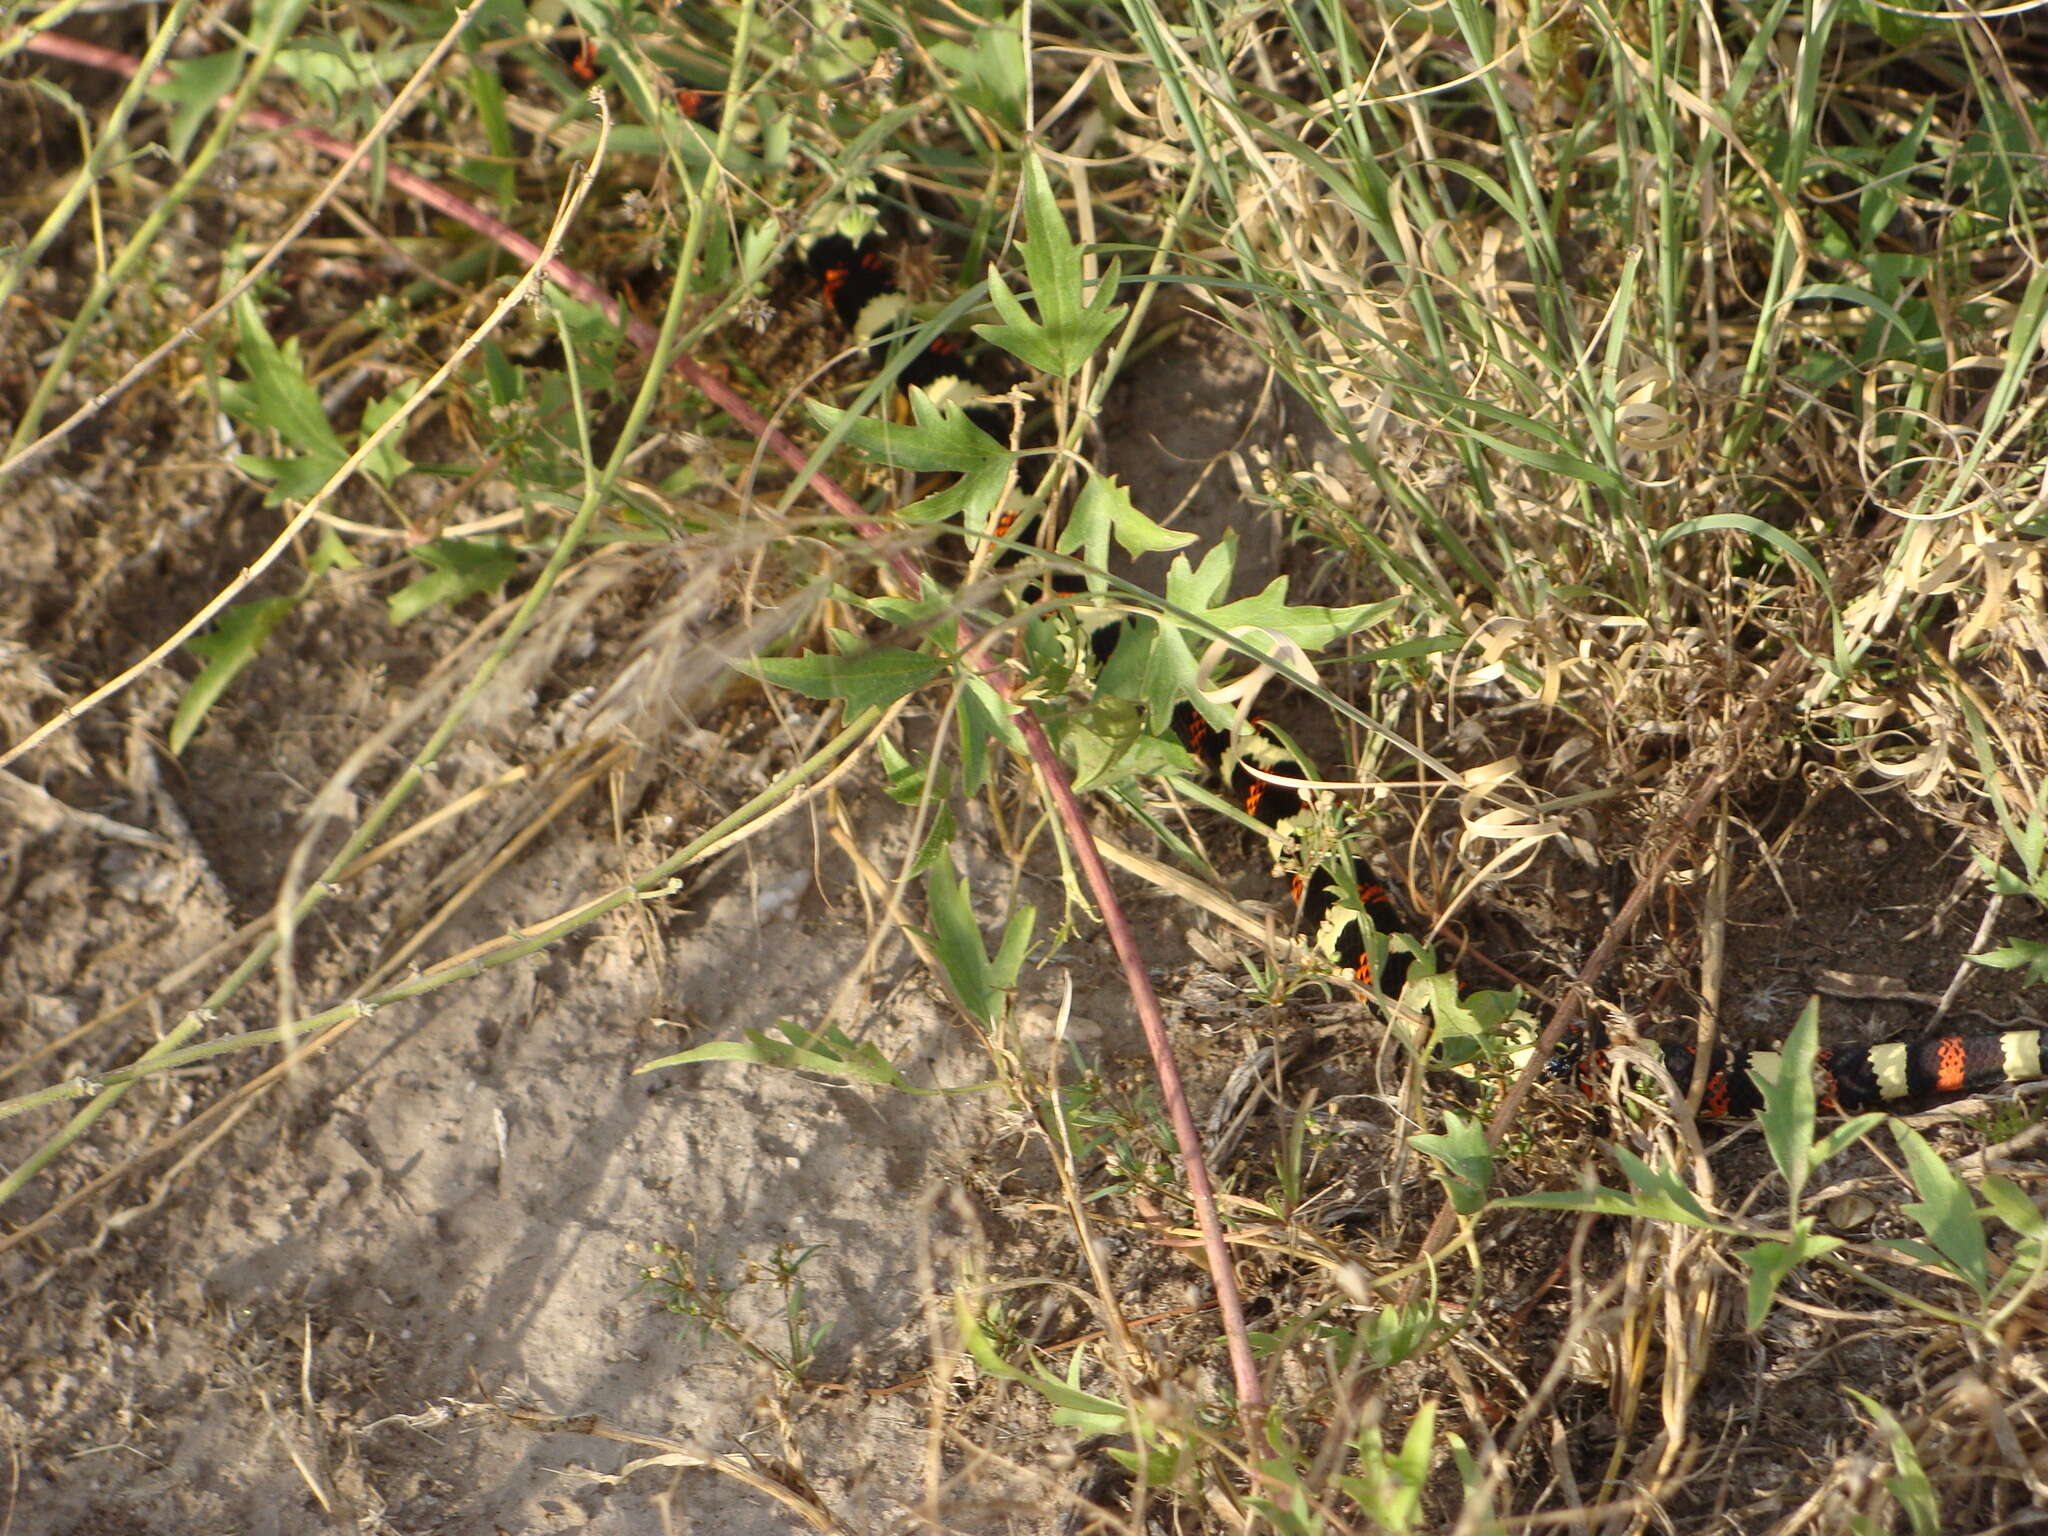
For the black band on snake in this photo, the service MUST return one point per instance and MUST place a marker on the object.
(1345, 916)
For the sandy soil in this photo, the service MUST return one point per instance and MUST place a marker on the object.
(273, 1330)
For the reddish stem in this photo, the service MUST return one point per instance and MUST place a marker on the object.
(1230, 1306)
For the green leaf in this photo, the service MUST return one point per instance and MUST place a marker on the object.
(1008, 961)
(1391, 1487)
(1769, 1263)
(594, 332)
(1069, 328)
(1309, 625)
(1658, 1196)
(938, 841)
(903, 778)
(330, 554)
(277, 394)
(1550, 462)
(492, 172)
(1912, 1489)
(940, 439)
(196, 86)
(1945, 1211)
(1104, 511)
(1400, 1504)
(1756, 528)
(1406, 650)
(346, 67)
(956, 942)
(387, 463)
(1107, 743)
(1465, 1160)
(979, 982)
(990, 717)
(1467, 1026)
(877, 676)
(1597, 1201)
(1196, 587)
(932, 603)
(1386, 1337)
(970, 501)
(2016, 954)
(238, 634)
(1846, 1135)
(2012, 1206)
(988, 71)
(1903, 23)
(457, 569)
(1084, 1409)
(504, 381)
(1664, 1188)
(1788, 1113)
(2010, 1203)
(279, 397)
(1881, 196)
(289, 479)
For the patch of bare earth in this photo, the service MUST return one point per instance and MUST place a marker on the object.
(288, 1312)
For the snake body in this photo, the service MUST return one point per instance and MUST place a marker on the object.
(1346, 916)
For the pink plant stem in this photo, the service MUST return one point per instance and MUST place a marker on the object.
(566, 277)
(1230, 1305)
(1244, 1369)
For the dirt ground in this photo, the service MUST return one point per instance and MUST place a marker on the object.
(264, 1330)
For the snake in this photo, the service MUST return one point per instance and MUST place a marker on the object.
(1347, 918)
